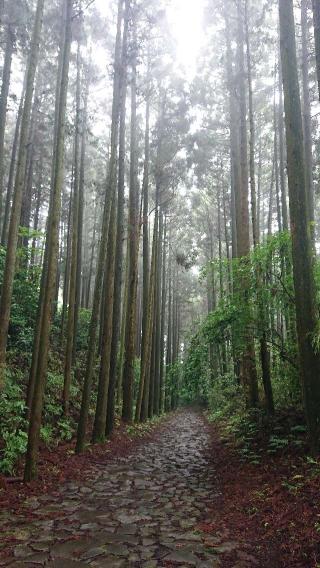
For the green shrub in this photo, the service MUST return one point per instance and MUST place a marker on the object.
(24, 302)
(83, 329)
(13, 437)
(66, 429)
(226, 397)
(15, 445)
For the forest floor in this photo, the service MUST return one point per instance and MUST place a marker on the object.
(178, 496)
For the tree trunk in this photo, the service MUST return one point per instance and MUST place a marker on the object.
(163, 318)
(79, 282)
(156, 402)
(133, 245)
(255, 229)
(93, 246)
(169, 330)
(234, 137)
(304, 283)
(142, 408)
(66, 281)
(120, 234)
(276, 175)
(316, 23)
(6, 217)
(112, 177)
(52, 247)
(122, 333)
(27, 192)
(99, 427)
(306, 113)
(74, 253)
(270, 208)
(248, 366)
(37, 209)
(9, 269)
(284, 207)
(6, 72)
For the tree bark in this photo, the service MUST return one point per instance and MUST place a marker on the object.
(99, 426)
(74, 253)
(156, 402)
(119, 253)
(52, 247)
(316, 23)
(6, 72)
(304, 283)
(9, 269)
(79, 280)
(111, 181)
(37, 209)
(306, 113)
(255, 227)
(284, 207)
(163, 319)
(133, 245)
(248, 367)
(6, 217)
(142, 407)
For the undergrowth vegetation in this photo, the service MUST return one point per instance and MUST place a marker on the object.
(13, 411)
(211, 369)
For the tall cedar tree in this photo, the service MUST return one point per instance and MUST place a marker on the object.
(316, 23)
(10, 262)
(120, 233)
(133, 245)
(48, 289)
(304, 284)
(110, 189)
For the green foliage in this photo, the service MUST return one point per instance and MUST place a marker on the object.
(52, 405)
(196, 379)
(173, 384)
(24, 302)
(225, 397)
(63, 428)
(66, 429)
(46, 434)
(268, 312)
(13, 423)
(15, 445)
(136, 381)
(277, 443)
(83, 329)
(13, 437)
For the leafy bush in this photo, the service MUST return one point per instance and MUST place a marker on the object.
(221, 338)
(173, 384)
(46, 435)
(24, 302)
(136, 371)
(63, 428)
(15, 445)
(225, 397)
(196, 372)
(13, 437)
(83, 329)
(66, 429)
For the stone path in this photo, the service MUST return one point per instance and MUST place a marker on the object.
(139, 511)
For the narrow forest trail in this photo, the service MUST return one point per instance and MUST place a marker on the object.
(141, 510)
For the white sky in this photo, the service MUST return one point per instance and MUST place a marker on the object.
(185, 19)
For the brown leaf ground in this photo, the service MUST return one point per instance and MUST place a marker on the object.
(272, 508)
